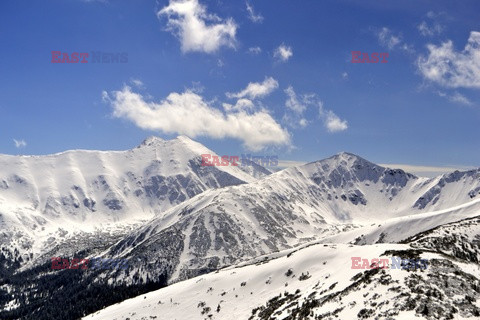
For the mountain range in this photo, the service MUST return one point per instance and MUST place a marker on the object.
(179, 224)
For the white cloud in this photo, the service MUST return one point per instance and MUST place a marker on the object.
(456, 98)
(345, 75)
(334, 123)
(256, 18)
(283, 53)
(242, 104)
(256, 90)
(292, 101)
(254, 50)
(429, 30)
(20, 143)
(196, 87)
(137, 82)
(431, 26)
(330, 120)
(188, 19)
(391, 41)
(459, 98)
(388, 39)
(432, 15)
(296, 107)
(450, 68)
(189, 114)
(303, 122)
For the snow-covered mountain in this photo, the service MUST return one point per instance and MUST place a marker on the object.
(297, 205)
(44, 198)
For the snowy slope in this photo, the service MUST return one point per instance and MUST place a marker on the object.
(316, 281)
(399, 229)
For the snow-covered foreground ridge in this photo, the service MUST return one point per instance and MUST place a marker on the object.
(317, 282)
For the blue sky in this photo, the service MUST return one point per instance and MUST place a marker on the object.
(265, 77)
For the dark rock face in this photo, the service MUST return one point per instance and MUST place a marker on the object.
(472, 194)
(89, 203)
(3, 184)
(357, 197)
(431, 196)
(396, 177)
(113, 204)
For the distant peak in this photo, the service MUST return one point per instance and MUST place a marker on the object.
(347, 159)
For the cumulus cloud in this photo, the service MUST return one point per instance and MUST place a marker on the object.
(241, 104)
(19, 143)
(189, 114)
(254, 17)
(283, 53)
(451, 68)
(256, 90)
(254, 50)
(196, 29)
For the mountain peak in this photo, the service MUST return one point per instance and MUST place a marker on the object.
(346, 155)
(152, 140)
(347, 158)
